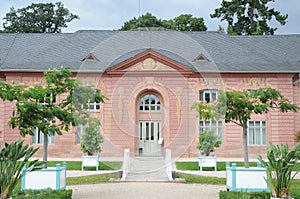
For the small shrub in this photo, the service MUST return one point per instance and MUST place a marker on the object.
(243, 194)
(42, 194)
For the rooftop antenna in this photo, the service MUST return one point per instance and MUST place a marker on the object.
(139, 13)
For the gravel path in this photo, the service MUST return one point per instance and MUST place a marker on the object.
(146, 190)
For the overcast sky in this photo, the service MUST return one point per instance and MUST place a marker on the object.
(111, 14)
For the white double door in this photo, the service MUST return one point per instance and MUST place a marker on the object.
(149, 134)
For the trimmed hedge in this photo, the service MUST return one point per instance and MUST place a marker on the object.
(42, 194)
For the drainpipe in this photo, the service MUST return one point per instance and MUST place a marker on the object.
(296, 82)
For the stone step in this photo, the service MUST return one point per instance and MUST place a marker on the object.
(147, 169)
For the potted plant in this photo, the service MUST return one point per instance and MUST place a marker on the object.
(90, 144)
(208, 141)
(280, 164)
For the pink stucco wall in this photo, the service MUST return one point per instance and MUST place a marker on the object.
(177, 91)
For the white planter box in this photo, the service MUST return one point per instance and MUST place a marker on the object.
(90, 161)
(52, 177)
(246, 179)
(207, 161)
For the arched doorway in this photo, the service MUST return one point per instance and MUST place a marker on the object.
(150, 124)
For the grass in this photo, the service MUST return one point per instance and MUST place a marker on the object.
(202, 179)
(76, 165)
(92, 179)
(221, 166)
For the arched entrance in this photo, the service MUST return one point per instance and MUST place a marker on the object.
(150, 119)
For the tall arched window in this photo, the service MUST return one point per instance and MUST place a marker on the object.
(150, 102)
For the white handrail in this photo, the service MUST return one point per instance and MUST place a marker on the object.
(126, 164)
(169, 164)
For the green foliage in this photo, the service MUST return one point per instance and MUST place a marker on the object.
(238, 107)
(208, 141)
(242, 194)
(12, 159)
(280, 164)
(91, 138)
(38, 18)
(248, 17)
(36, 106)
(184, 22)
(42, 194)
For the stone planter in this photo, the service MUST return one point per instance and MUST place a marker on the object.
(90, 161)
(207, 161)
(246, 179)
(52, 177)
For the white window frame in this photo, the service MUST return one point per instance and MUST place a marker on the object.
(148, 106)
(212, 95)
(94, 105)
(257, 133)
(48, 98)
(209, 125)
(38, 137)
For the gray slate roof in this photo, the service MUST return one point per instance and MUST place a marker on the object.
(39, 52)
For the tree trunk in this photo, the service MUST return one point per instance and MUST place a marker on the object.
(45, 150)
(245, 143)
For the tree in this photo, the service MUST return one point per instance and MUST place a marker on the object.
(36, 106)
(239, 106)
(91, 138)
(38, 18)
(144, 21)
(248, 17)
(184, 22)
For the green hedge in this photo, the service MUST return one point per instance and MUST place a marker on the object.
(42, 194)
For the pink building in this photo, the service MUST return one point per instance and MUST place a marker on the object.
(152, 79)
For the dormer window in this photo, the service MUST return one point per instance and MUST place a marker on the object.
(91, 57)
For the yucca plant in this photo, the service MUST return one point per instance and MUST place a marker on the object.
(280, 164)
(12, 158)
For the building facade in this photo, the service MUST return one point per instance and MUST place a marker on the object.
(151, 80)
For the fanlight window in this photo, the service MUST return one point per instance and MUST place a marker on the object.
(150, 102)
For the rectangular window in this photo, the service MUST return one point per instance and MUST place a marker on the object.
(215, 126)
(208, 95)
(94, 105)
(38, 137)
(49, 99)
(257, 133)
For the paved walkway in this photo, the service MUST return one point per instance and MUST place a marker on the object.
(146, 190)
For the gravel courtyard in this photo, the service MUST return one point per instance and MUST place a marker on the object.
(146, 190)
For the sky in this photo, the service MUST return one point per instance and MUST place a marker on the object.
(111, 14)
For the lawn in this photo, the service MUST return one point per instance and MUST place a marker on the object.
(221, 166)
(76, 165)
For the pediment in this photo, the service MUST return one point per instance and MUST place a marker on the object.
(149, 61)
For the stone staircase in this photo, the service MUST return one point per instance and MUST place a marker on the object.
(147, 169)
